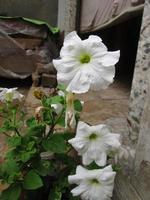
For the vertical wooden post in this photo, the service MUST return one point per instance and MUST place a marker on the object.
(67, 10)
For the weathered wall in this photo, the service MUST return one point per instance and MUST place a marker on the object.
(139, 121)
(141, 109)
(39, 9)
(67, 10)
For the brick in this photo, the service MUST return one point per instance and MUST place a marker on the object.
(45, 68)
(36, 79)
(49, 80)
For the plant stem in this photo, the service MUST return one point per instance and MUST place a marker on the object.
(54, 124)
(6, 134)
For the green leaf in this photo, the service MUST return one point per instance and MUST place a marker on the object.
(32, 181)
(10, 166)
(61, 87)
(8, 126)
(77, 105)
(52, 29)
(93, 165)
(47, 117)
(12, 193)
(61, 121)
(31, 122)
(116, 168)
(55, 143)
(57, 99)
(53, 100)
(55, 195)
(14, 141)
(37, 130)
(30, 145)
(25, 156)
(44, 167)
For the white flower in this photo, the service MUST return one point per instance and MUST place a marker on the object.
(10, 94)
(85, 64)
(94, 143)
(93, 184)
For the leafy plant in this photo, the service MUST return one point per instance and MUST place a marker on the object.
(36, 150)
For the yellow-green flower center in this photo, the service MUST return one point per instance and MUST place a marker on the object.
(93, 136)
(94, 181)
(9, 96)
(85, 58)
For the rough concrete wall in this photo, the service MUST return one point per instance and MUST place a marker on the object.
(39, 9)
(137, 185)
(140, 81)
(139, 115)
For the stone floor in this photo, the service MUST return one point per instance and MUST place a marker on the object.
(109, 106)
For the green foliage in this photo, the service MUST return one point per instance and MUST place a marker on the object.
(55, 194)
(61, 120)
(48, 117)
(26, 169)
(31, 122)
(61, 87)
(116, 168)
(32, 181)
(56, 143)
(36, 130)
(93, 165)
(44, 167)
(77, 105)
(14, 141)
(12, 193)
(47, 102)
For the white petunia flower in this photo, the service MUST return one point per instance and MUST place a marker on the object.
(94, 184)
(94, 143)
(10, 94)
(85, 64)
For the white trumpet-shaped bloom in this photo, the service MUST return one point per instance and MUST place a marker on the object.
(94, 143)
(85, 64)
(10, 94)
(94, 184)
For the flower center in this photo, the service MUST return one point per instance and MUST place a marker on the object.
(9, 96)
(85, 58)
(93, 136)
(94, 181)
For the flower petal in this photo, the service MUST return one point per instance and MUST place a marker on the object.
(83, 129)
(80, 83)
(78, 143)
(110, 58)
(101, 159)
(89, 190)
(71, 37)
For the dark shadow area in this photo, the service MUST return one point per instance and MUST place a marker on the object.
(9, 83)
